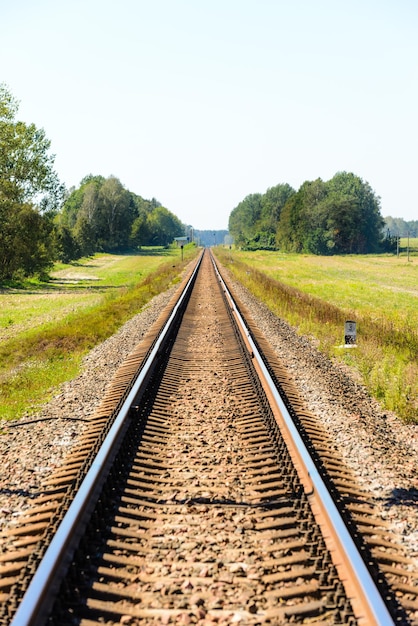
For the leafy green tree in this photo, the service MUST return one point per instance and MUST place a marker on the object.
(80, 213)
(337, 217)
(73, 203)
(272, 203)
(27, 243)
(86, 227)
(100, 213)
(30, 193)
(244, 218)
(412, 228)
(103, 215)
(354, 216)
(26, 172)
(140, 232)
(301, 224)
(91, 202)
(312, 225)
(85, 235)
(67, 248)
(253, 223)
(115, 215)
(391, 243)
(163, 226)
(398, 227)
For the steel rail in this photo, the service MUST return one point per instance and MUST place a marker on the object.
(36, 603)
(378, 613)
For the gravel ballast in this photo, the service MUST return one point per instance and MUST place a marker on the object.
(374, 443)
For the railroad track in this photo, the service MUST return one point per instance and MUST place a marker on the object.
(200, 494)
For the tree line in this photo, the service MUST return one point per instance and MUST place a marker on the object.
(339, 216)
(398, 227)
(101, 215)
(41, 222)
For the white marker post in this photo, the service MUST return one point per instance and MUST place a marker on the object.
(350, 334)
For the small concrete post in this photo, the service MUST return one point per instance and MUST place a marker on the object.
(350, 333)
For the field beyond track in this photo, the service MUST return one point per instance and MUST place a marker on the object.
(46, 327)
(318, 294)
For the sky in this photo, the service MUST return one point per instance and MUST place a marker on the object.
(198, 103)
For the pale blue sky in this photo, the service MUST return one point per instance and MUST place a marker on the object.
(199, 103)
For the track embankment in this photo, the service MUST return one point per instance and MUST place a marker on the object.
(205, 518)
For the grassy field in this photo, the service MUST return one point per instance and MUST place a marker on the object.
(318, 294)
(47, 327)
(408, 245)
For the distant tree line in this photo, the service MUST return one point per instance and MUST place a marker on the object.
(207, 238)
(101, 215)
(340, 216)
(254, 222)
(398, 227)
(40, 222)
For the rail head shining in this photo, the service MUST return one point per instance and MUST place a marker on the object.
(369, 595)
(36, 603)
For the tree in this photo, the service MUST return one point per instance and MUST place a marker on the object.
(73, 203)
(244, 218)
(115, 214)
(301, 224)
(100, 214)
(103, 215)
(337, 217)
(272, 203)
(26, 166)
(253, 223)
(87, 223)
(163, 226)
(354, 216)
(67, 248)
(398, 227)
(140, 232)
(27, 243)
(30, 193)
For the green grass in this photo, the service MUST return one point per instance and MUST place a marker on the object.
(47, 328)
(33, 304)
(412, 242)
(318, 294)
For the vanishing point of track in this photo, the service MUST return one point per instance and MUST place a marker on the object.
(200, 495)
